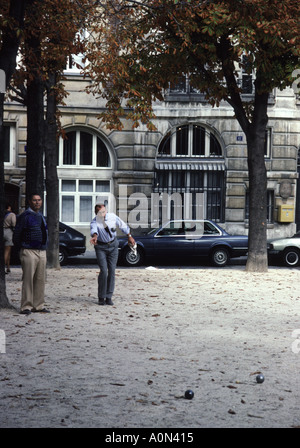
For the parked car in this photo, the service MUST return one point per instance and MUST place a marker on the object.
(185, 238)
(71, 243)
(288, 249)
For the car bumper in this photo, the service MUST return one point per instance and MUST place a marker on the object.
(274, 252)
(76, 251)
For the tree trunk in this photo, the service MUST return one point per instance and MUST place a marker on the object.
(51, 157)
(4, 302)
(257, 254)
(254, 124)
(8, 54)
(35, 137)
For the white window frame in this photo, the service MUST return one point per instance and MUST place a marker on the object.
(12, 144)
(191, 126)
(77, 155)
(78, 173)
(269, 136)
(76, 194)
(74, 59)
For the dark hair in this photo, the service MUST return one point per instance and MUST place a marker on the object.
(34, 194)
(100, 206)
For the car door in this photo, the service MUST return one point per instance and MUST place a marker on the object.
(172, 241)
(210, 236)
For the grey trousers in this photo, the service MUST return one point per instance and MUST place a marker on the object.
(107, 257)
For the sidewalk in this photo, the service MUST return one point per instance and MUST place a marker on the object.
(128, 366)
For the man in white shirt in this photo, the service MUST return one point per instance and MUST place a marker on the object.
(104, 239)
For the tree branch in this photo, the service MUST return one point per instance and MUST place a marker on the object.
(21, 94)
(225, 51)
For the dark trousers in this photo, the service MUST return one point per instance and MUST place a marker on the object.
(107, 257)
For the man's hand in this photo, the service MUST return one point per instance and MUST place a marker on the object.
(93, 240)
(131, 241)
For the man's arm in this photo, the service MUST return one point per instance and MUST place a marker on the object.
(94, 233)
(125, 229)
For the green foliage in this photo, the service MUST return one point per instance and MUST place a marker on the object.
(140, 47)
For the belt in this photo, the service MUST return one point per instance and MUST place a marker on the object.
(108, 243)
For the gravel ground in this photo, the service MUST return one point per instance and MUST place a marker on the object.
(170, 329)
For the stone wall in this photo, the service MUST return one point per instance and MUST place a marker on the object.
(134, 150)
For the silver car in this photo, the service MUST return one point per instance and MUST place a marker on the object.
(288, 249)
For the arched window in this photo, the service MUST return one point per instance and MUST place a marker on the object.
(190, 140)
(190, 163)
(81, 148)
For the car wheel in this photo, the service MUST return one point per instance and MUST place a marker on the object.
(219, 257)
(132, 259)
(291, 257)
(62, 256)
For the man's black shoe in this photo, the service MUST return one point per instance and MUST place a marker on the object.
(43, 310)
(25, 312)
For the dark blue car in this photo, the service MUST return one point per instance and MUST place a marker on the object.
(185, 239)
(71, 243)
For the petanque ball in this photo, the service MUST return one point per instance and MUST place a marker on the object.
(189, 394)
(260, 378)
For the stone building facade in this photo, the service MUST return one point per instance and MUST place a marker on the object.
(193, 165)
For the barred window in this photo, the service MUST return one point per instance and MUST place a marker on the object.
(190, 163)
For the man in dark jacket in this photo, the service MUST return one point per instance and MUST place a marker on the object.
(31, 238)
